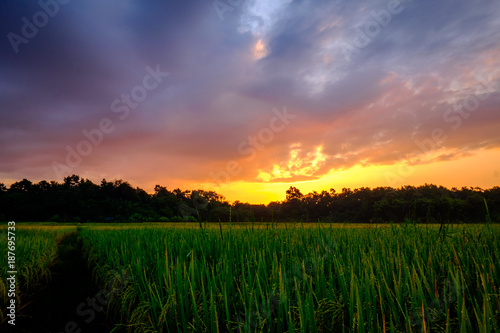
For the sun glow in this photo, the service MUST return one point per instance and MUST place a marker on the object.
(298, 164)
(259, 50)
(272, 185)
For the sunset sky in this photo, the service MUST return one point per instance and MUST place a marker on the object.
(250, 97)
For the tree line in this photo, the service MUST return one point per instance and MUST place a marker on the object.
(80, 200)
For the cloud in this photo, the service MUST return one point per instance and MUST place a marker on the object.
(376, 106)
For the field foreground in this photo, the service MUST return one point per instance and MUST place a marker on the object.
(264, 278)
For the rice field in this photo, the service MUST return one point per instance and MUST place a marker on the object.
(294, 278)
(36, 248)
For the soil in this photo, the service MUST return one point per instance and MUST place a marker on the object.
(52, 307)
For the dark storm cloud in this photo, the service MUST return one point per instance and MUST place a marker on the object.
(368, 106)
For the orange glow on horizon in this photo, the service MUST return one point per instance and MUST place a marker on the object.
(482, 170)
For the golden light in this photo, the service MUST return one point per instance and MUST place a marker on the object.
(259, 50)
(451, 173)
(296, 165)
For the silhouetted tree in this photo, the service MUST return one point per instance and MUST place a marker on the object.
(80, 200)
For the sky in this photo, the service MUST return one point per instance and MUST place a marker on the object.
(250, 97)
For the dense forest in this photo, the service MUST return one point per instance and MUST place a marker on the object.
(81, 200)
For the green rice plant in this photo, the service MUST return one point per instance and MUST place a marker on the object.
(406, 278)
(35, 250)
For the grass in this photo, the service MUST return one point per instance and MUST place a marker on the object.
(35, 249)
(294, 278)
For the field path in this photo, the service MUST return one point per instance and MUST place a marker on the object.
(54, 305)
